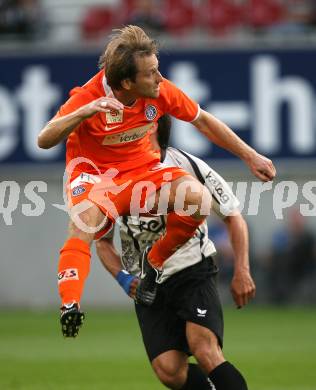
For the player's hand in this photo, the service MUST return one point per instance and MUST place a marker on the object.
(243, 288)
(103, 104)
(262, 167)
(133, 287)
(128, 282)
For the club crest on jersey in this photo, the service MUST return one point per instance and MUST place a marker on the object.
(78, 191)
(150, 112)
(114, 116)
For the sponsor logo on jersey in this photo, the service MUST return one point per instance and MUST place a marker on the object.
(151, 225)
(129, 135)
(113, 116)
(201, 312)
(107, 128)
(150, 112)
(132, 137)
(218, 188)
(78, 191)
(68, 274)
(88, 178)
(84, 178)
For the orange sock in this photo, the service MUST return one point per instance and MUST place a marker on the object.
(179, 229)
(73, 269)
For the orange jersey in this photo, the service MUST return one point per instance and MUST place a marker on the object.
(121, 139)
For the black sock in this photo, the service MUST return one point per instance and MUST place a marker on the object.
(226, 377)
(196, 379)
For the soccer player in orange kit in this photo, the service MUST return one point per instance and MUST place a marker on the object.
(110, 160)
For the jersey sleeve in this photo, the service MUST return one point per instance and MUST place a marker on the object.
(178, 104)
(224, 201)
(78, 98)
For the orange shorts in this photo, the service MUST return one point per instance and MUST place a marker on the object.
(117, 194)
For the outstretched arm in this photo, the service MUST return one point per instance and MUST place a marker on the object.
(242, 286)
(112, 262)
(59, 128)
(221, 135)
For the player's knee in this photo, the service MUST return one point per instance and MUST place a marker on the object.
(88, 217)
(174, 382)
(208, 355)
(170, 374)
(200, 350)
(84, 224)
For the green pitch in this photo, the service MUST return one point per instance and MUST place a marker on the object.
(274, 348)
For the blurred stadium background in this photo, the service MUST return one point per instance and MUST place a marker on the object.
(251, 63)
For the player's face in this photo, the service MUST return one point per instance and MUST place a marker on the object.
(148, 77)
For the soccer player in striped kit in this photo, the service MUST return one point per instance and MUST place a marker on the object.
(186, 316)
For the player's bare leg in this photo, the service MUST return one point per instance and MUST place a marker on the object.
(205, 348)
(171, 368)
(175, 372)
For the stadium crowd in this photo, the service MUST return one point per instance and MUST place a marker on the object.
(92, 20)
(285, 272)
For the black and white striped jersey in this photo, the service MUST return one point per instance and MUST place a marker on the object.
(138, 232)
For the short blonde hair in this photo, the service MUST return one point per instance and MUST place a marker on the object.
(119, 56)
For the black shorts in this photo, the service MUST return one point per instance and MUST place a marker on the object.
(190, 295)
